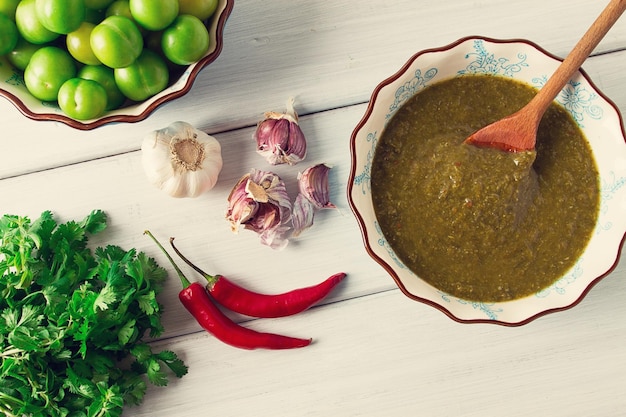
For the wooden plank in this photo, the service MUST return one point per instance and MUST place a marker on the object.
(386, 355)
(376, 352)
(327, 56)
(118, 185)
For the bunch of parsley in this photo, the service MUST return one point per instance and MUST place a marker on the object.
(73, 321)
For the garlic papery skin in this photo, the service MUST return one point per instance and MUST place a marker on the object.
(181, 160)
(259, 202)
(313, 184)
(241, 207)
(268, 223)
(279, 137)
(302, 215)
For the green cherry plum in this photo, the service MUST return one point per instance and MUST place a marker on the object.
(8, 7)
(82, 99)
(202, 9)
(104, 76)
(79, 46)
(48, 69)
(186, 40)
(116, 41)
(20, 56)
(29, 25)
(147, 76)
(8, 34)
(154, 14)
(122, 8)
(119, 8)
(60, 16)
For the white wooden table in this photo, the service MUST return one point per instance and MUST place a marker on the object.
(376, 353)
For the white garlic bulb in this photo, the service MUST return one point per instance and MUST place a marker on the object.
(181, 160)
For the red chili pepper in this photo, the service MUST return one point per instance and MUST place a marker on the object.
(250, 303)
(197, 301)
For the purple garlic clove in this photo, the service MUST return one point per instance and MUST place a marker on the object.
(259, 202)
(279, 137)
(240, 207)
(313, 183)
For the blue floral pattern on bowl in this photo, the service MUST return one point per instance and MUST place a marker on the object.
(486, 62)
(364, 178)
(409, 88)
(15, 78)
(578, 100)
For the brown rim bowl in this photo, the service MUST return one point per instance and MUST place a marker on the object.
(13, 89)
(600, 122)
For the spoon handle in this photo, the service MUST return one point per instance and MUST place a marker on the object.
(577, 56)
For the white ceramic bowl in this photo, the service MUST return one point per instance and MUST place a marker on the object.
(12, 85)
(597, 116)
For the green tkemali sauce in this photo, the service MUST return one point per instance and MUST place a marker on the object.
(483, 224)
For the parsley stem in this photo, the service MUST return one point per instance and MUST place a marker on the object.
(10, 402)
(183, 278)
(10, 352)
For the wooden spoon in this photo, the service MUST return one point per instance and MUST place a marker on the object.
(518, 132)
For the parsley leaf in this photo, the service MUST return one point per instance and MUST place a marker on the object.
(72, 320)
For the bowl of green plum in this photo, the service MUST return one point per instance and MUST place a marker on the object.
(87, 63)
(488, 235)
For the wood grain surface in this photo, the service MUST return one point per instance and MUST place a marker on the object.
(375, 352)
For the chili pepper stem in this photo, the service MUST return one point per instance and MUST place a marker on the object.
(212, 279)
(183, 279)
